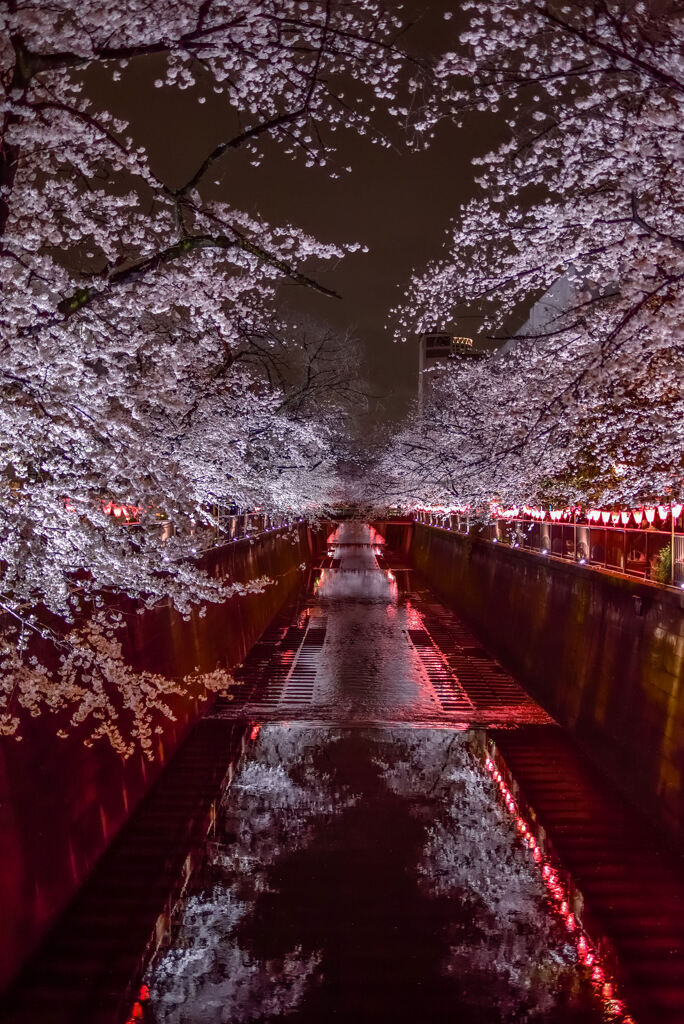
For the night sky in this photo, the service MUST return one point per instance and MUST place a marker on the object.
(399, 203)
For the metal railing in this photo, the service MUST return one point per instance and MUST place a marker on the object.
(225, 529)
(242, 526)
(616, 549)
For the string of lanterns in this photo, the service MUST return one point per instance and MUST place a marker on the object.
(128, 512)
(607, 517)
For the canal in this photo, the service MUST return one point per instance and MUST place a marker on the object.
(363, 865)
(379, 824)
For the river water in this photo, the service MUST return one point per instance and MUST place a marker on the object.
(362, 866)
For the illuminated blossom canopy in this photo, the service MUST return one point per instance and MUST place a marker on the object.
(130, 300)
(587, 188)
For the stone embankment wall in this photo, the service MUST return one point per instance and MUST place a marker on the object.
(603, 654)
(61, 803)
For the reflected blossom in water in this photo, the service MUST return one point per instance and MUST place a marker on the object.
(208, 976)
(418, 893)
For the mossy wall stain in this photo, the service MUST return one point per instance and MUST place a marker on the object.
(603, 654)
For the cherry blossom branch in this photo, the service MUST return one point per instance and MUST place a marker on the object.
(638, 219)
(596, 42)
(134, 271)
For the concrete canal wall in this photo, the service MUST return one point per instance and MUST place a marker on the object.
(603, 654)
(61, 803)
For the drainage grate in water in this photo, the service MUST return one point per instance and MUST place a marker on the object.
(299, 688)
(486, 683)
(451, 695)
(267, 668)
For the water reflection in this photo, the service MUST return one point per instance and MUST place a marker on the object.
(368, 668)
(366, 875)
(364, 585)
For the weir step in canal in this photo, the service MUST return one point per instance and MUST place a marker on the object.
(378, 824)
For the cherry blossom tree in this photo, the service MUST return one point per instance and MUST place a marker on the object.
(587, 186)
(315, 366)
(127, 296)
(496, 430)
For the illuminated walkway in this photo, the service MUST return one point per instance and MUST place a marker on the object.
(381, 826)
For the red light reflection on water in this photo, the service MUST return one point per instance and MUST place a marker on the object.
(587, 954)
(138, 1010)
(376, 539)
(415, 619)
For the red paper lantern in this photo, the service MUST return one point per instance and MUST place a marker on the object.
(638, 516)
(650, 515)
